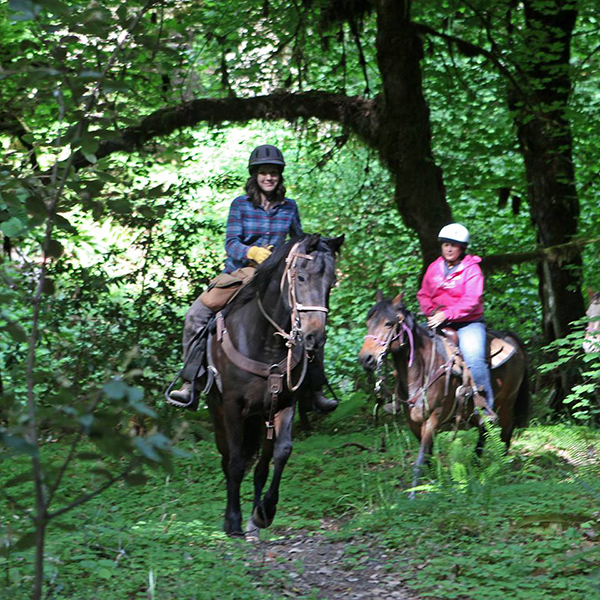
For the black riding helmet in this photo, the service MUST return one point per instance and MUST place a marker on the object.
(266, 155)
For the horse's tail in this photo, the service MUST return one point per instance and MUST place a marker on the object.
(522, 404)
(521, 410)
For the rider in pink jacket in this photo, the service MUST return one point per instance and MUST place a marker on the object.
(459, 294)
(452, 295)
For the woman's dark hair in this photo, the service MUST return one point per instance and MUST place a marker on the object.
(253, 190)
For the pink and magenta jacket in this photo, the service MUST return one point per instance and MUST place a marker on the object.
(460, 295)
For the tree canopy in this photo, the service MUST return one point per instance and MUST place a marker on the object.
(125, 129)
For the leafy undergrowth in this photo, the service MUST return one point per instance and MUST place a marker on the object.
(522, 526)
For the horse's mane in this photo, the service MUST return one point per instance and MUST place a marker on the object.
(411, 321)
(270, 267)
(381, 305)
(263, 276)
(415, 326)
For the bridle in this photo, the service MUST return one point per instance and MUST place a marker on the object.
(395, 333)
(293, 339)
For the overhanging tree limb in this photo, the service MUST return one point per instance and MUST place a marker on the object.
(469, 49)
(553, 254)
(359, 114)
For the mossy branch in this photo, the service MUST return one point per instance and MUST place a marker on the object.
(553, 254)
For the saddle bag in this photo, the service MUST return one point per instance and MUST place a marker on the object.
(224, 287)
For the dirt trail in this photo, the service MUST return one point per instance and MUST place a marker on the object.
(316, 567)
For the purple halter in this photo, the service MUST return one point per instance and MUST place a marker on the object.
(386, 343)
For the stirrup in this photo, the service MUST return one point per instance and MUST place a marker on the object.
(482, 409)
(181, 403)
(486, 415)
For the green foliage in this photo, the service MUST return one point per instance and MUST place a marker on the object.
(508, 526)
(526, 527)
(584, 399)
(110, 250)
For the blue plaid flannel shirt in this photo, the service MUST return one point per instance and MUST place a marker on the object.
(248, 225)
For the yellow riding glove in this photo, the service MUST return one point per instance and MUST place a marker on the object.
(258, 254)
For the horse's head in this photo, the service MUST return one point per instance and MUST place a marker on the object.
(386, 322)
(310, 275)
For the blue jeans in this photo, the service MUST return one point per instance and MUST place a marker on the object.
(471, 340)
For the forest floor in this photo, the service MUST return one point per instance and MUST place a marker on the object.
(524, 526)
(318, 567)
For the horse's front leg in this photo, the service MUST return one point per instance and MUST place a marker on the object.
(264, 512)
(261, 472)
(428, 430)
(234, 472)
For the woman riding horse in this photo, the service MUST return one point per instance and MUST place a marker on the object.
(452, 295)
(258, 222)
(434, 389)
(264, 340)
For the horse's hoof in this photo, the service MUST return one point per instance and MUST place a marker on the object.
(252, 531)
(232, 530)
(260, 518)
(236, 534)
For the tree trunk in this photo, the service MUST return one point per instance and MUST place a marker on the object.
(40, 547)
(545, 139)
(404, 140)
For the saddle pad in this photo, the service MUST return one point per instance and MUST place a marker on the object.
(501, 349)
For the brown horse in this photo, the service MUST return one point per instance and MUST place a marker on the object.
(591, 342)
(433, 395)
(258, 355)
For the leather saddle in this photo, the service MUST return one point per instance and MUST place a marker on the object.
(500, 348)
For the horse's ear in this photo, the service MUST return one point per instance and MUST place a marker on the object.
(379, 296)
(590, 293)
(312, 241)
(335, 243)
(397, 301)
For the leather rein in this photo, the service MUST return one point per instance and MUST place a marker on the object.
(430, 377)
(397, 333)
(274, 373)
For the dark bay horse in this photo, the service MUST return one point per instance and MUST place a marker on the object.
(433, 396)
(258, 355)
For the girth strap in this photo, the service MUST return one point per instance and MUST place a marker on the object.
(248, 364)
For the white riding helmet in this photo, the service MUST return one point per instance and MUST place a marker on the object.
(455, 232)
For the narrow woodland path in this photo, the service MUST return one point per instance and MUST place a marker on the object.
(316, 567)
